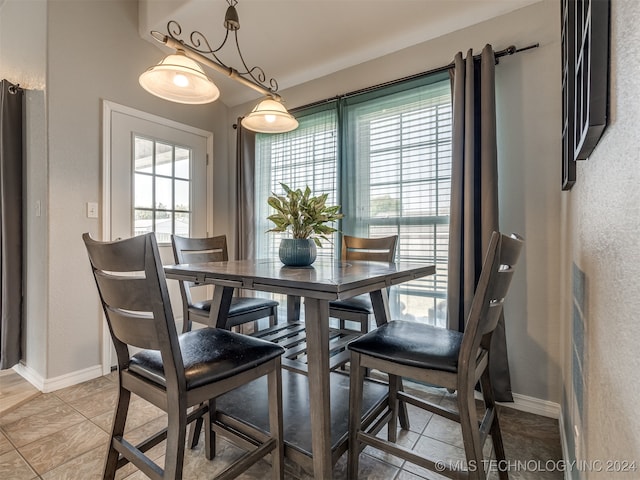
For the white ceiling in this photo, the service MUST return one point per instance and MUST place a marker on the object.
(296, 41)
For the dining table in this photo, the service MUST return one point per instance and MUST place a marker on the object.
(315, 401)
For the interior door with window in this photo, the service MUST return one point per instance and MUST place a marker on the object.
(156, 180)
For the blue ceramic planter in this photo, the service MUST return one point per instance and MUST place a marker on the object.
(297, 252)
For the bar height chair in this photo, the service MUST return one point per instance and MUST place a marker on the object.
(242, 309)
(441, 357)
(175, 372)
(359, 308)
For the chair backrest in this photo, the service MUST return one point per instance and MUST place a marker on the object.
(197, 250)
(134, 296)
(381, 249)
(486, 308)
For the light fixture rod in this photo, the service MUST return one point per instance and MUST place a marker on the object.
(200, 58)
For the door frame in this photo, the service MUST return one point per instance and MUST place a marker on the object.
(108, 108)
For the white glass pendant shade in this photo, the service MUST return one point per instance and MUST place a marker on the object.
(177, 78)
(270, 116)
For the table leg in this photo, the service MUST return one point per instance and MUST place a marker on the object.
(293, 308)
(380, 302)
(316, 314)
(220, 306)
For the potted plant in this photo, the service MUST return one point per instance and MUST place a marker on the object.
(307, 218)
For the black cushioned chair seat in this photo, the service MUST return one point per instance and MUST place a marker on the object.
(360, 303)
(239, 305)
(209, 355)
(413, 344)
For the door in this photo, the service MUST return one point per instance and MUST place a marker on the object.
(155, 179)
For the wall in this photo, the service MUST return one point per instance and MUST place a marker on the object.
(83, 52)
(23, 45)
(603, 241)
(528, 103)
(95, 53)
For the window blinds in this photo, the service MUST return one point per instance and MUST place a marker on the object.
(390, 170)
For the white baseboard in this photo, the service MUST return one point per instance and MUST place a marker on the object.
(47, 385)
(534, 405)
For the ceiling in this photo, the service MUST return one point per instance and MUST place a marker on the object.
(295, 41)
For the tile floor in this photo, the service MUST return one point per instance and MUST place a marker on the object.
(63, 435)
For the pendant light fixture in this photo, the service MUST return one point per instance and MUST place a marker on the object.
(179, 77)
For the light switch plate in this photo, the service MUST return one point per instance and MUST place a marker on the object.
(92, 209)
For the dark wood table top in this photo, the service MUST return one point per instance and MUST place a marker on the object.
(324, 279)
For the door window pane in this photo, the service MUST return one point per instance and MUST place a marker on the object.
(143, 186)
(143, 155)
(162, 188)
(164, 159)
(182, 194)
(182, 163)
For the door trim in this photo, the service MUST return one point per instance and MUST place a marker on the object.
(108, 108)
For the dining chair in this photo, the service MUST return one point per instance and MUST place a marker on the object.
(242, 309)
(439, 357)
(358, 309)
(176, 372)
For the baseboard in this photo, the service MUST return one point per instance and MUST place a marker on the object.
(534, 405)
(47, 385)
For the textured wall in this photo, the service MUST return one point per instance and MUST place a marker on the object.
(604, 212)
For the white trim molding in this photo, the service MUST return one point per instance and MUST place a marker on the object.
(534, 405)
(47, 385)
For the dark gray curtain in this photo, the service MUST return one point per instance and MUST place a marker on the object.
(474, 197)
(10, 224)
(245, 192)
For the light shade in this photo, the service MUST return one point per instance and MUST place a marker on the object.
(179, 79)
(270, 116)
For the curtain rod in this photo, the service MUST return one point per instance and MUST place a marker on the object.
(13, 89)
(511, 50)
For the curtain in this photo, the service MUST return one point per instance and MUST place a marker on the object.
(10, 224)
(245, 192)
(474, 198)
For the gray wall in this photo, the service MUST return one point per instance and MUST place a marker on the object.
(93, 53)
(23, 48)
(602, 238)
(529, 110)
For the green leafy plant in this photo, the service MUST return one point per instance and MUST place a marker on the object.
(306, 216)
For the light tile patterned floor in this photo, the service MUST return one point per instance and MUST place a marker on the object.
(63, 435)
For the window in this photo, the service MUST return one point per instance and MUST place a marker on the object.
(162, 188)
(391, 174)
(306, 156)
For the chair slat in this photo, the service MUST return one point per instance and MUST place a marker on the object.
(120, 257)
(203, 257)
(500, 285)
(510, 249)
(128, 293)
(381, 249)
(136, 330)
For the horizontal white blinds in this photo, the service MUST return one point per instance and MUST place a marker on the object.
(390, 171)
(305, 156)
(399, 150)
